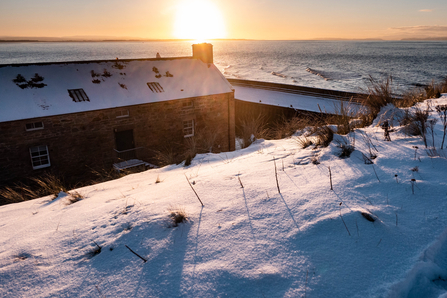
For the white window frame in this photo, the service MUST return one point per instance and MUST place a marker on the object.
(42, 151)
(123, 114)
(189, 104)
(188, 128)
(33, 124)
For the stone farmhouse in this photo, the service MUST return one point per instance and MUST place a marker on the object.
(74, 117)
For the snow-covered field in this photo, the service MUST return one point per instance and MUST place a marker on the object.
(307, 241)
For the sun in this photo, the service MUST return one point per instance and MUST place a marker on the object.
(198, 19)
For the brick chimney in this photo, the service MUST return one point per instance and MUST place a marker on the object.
(203, 51)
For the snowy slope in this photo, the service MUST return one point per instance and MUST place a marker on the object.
(246, 242)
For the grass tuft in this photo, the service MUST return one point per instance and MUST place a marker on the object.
(177, 216)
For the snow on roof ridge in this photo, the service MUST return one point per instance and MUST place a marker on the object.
(93, 61)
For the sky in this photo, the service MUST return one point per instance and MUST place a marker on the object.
(235, 19)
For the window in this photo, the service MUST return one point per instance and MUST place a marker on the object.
(78, 95)
(155, 87)
(188, 104)
(188, 128)
(122, 114)
(39, 157)
(34, 126)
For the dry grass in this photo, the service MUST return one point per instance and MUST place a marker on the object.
(166, 156)
(419, 94)
(324, 135)
(105, 175)
(252, 129)
(44, 185)
(177, 215)
(379, 94)
(347, 147)
(74, 197)
(344, 114)
(304, 142)
(415, 123)
(287, 127)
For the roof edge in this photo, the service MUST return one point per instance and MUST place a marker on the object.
(93, 61)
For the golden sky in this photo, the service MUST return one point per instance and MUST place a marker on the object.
(237, 19)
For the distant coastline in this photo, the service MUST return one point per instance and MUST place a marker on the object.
(56, 39)
(13, 39)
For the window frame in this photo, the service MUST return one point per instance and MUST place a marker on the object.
(188, 104)
(39, 157)
(188, 128)
(155, 87)
(34, 126)
(123, 114)
(78, 95)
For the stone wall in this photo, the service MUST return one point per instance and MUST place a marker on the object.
(81, 142)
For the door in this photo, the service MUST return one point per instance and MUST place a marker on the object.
(124, 144)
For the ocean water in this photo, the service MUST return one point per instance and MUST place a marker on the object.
(336, 65)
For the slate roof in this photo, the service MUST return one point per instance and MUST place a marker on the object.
(106, 84)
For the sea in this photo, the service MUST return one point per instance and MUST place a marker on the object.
(335, 65)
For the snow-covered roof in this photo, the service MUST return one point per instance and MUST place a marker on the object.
(107, 84)
(290, 100)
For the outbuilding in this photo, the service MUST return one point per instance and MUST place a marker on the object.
(71, 118)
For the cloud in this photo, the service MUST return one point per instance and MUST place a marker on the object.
(415, 29)
(426, 10)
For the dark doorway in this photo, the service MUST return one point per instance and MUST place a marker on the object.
(124, 143)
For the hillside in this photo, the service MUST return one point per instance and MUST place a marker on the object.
(250, 241)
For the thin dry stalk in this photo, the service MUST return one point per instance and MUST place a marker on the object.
(144, 260)
(344, 221)
(238, 177)
(276, 176)
(330, 177)
(375, 173)
(194, 191)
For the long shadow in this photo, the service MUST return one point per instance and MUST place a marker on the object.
(290, 212)
(196, 249)
(292, 180)
(249, 219)
(341, 200)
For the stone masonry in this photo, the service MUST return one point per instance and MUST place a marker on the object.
(81, 142)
